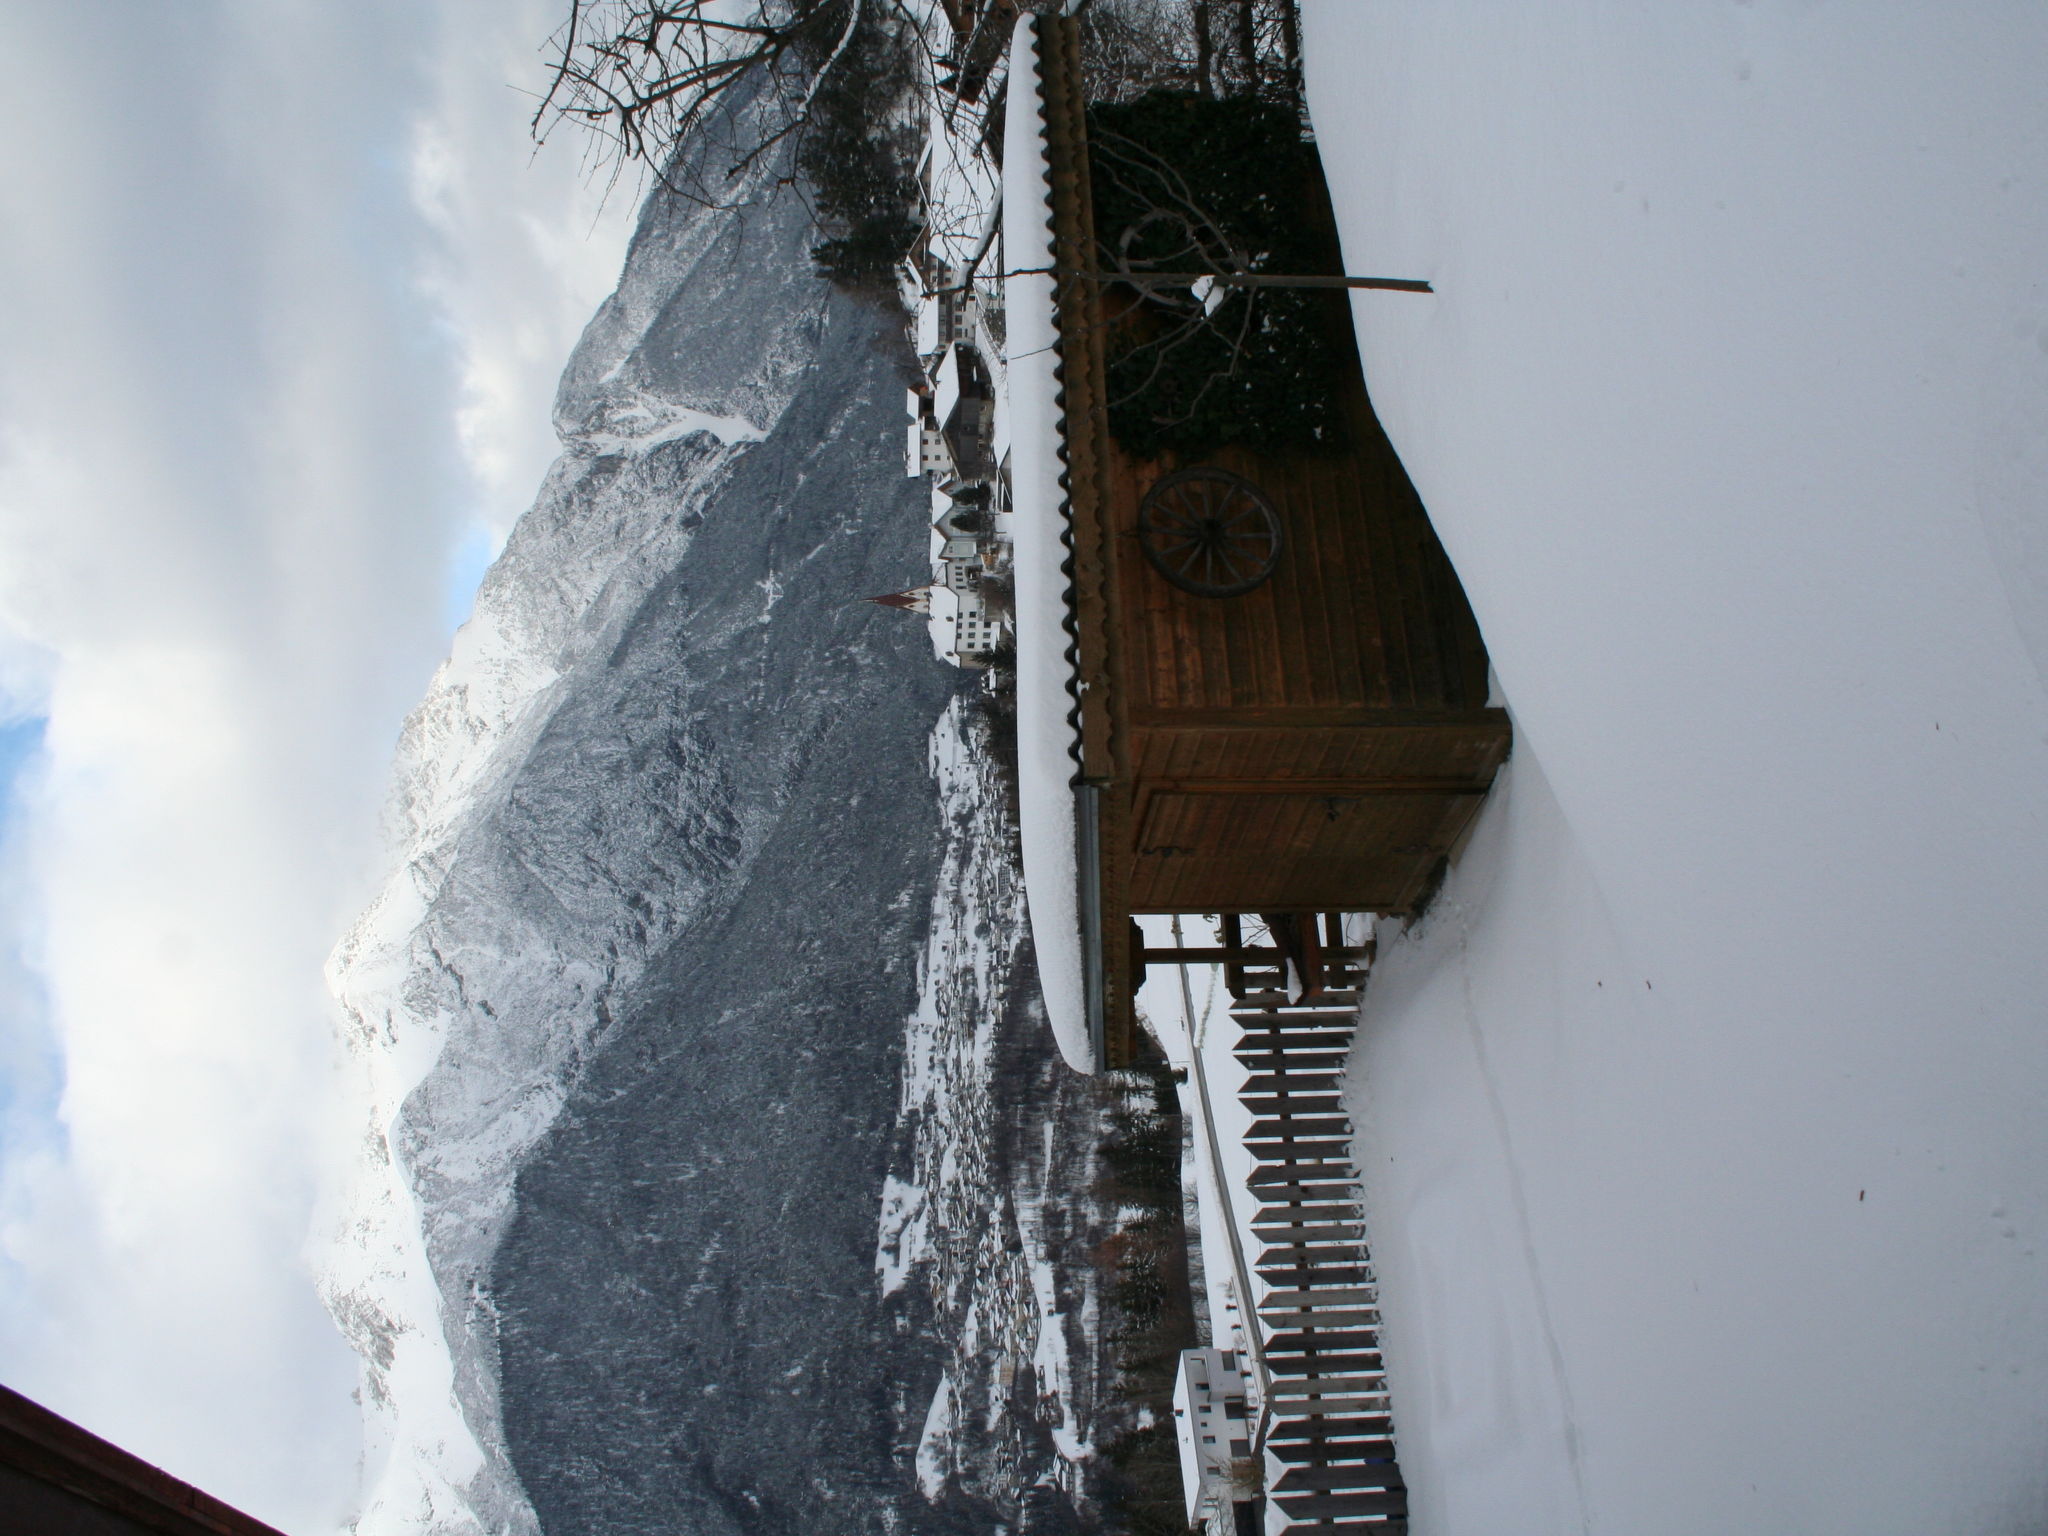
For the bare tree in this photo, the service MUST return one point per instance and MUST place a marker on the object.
(1210, 47)
(1166, 233)
(708, 97)
(643, 75)
(1209, 243)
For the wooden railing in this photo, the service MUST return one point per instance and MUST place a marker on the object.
(1329, 1434)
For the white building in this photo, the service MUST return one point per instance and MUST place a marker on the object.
(926, 453)
(1212, 1430)
(968, 494)
(972, 562)
(956, 433)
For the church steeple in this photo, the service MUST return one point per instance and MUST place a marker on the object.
(916, 600)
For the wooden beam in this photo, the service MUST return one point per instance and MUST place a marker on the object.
(1344, 789)
(1214, 956)
(1251, 716)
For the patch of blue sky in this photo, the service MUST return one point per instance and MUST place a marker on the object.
(31, 1063)
(21, 746)
(21, 740)
(467, 563)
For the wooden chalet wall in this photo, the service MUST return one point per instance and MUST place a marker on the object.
(1315, 744)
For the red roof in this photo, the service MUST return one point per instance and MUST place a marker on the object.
(57, 1477)
(914, 600)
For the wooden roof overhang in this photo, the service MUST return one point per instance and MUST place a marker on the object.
(1102, 814)
(1057, 797)
(57, 1479)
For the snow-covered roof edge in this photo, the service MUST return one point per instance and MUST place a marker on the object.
(1048, 737)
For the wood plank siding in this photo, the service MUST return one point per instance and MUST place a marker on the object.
(1318, 743)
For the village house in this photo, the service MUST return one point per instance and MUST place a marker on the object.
(1213, 1432)
(955, 443)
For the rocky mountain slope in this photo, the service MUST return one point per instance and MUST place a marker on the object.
(697, 974)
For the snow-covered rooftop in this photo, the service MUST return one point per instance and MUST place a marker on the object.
(1047, 738)
(946, 389)
(958, 180)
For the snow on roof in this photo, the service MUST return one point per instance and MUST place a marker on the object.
(960, 184)
(946, 388)
(945, 618)
(1047, 736)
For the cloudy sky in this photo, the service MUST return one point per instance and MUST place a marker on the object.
(283, 294)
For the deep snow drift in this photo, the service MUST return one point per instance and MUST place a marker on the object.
(1703, 1116)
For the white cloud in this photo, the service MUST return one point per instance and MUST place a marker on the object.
(283, 296)
(528, 243)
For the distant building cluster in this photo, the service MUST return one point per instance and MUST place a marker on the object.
(952, 444)
(955, 438)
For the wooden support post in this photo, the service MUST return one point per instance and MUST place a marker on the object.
(1311, 958)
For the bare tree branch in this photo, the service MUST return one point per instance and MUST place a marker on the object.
(643, 75)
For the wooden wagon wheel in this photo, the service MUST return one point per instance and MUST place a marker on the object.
(1209, 532)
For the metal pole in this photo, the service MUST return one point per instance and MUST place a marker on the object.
(1247, 1303)
(1260, 280)
(1230, 279)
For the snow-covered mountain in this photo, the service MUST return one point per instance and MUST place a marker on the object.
(677, 893)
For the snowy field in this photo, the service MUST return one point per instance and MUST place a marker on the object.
(1704, 1118)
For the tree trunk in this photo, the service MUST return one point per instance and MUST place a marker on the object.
(1290, 47)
